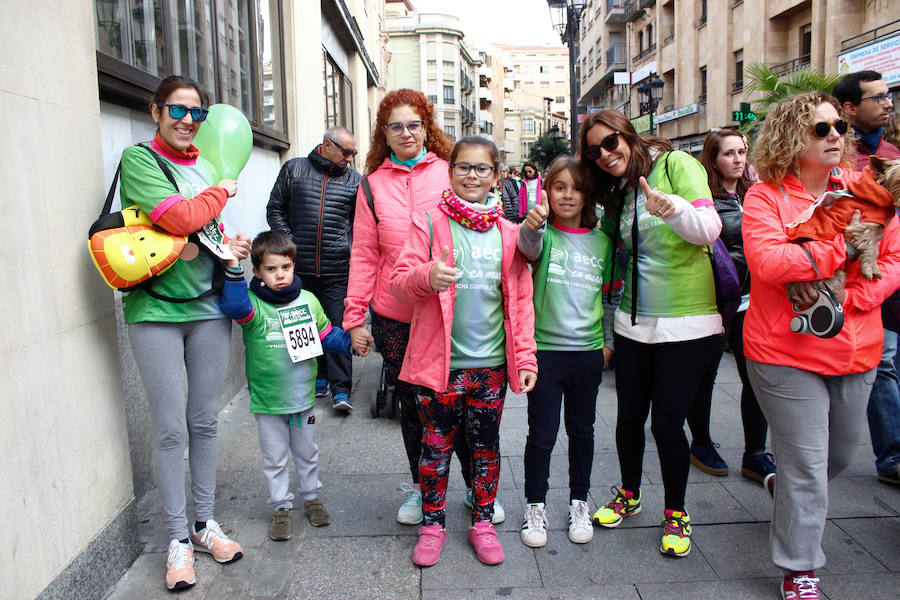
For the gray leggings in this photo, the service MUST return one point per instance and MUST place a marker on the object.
(163, 351)
(817, 422)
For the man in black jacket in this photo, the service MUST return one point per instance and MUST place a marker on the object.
(313, 201)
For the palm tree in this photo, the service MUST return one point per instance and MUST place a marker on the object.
(775, 87)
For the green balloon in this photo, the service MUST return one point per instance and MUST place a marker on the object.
(225, 140)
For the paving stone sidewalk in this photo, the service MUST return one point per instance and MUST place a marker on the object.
(365, 553)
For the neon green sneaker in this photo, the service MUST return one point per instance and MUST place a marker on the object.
(624, 504)
(676, 539)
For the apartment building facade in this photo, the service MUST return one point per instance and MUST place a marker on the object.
(427, 52)
(536, 96)
(700, 48)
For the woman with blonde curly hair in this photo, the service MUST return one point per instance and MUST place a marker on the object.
(406, 170)
(812, 390)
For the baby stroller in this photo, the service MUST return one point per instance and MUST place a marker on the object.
(383, 401)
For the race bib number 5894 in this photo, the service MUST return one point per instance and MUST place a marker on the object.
(300, 334)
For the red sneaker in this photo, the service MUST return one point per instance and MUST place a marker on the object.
(800, 585)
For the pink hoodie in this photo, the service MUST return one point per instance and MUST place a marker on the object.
(523, 196)
(427, 360)
(399, 193)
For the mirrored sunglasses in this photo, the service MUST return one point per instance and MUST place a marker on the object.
(177, 111)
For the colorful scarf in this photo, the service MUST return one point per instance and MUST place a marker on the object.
(479, 217)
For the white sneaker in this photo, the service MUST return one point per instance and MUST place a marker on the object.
(499, 513)
(410, 512)
(580, 529)
(534, 526)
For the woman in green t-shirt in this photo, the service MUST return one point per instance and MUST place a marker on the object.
(169, 337)
(667, 327)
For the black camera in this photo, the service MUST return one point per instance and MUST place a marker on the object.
(824, 318)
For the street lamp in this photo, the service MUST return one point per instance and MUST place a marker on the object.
(555, 135)
(541, 155)
(566, 17)
(651, 94)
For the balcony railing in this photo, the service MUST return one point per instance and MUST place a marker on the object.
(737, 86)
(790, 65)
(615, 11)
(701, 99)
(615, 55)
(645, 52)
(873, 35)
(632, 12)
(648, 3)
(668, 39)
(736, 3)
(701, 22)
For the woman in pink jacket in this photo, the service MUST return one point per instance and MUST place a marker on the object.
(813, 390)
(472, 331)
(407, 171)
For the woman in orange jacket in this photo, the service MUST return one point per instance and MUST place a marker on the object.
(813, 390)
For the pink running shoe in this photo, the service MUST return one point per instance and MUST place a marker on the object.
(180, 566)
(483, 538)
(428, 548)
(212, 540)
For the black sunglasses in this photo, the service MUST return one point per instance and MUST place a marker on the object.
(822, 129)
(344, 150)
(609, 143)
(177, 111)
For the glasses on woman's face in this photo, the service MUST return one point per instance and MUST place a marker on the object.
(823, 128)
(396, 129)
(481, 169)
(609, 143)
(177, 111)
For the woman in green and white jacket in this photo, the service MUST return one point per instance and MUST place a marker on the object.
(667, 327)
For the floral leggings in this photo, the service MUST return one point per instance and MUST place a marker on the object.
(473, 401)
(391, 338)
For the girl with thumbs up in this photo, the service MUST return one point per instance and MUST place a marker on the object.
(571, 262)
(472, 331)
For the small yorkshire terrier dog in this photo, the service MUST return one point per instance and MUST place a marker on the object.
(874, 193)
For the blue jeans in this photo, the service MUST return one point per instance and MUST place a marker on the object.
(884, 410)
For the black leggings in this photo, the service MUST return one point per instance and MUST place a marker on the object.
(571, 377)
(663, 378)
(752, 417)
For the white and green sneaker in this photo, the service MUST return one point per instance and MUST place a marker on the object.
(499, 513)
(410, 512)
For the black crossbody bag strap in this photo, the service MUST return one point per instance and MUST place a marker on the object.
(367, 191)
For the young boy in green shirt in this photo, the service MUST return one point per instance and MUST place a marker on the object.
(285, 328)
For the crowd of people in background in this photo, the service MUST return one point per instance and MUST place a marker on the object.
(470, 276)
